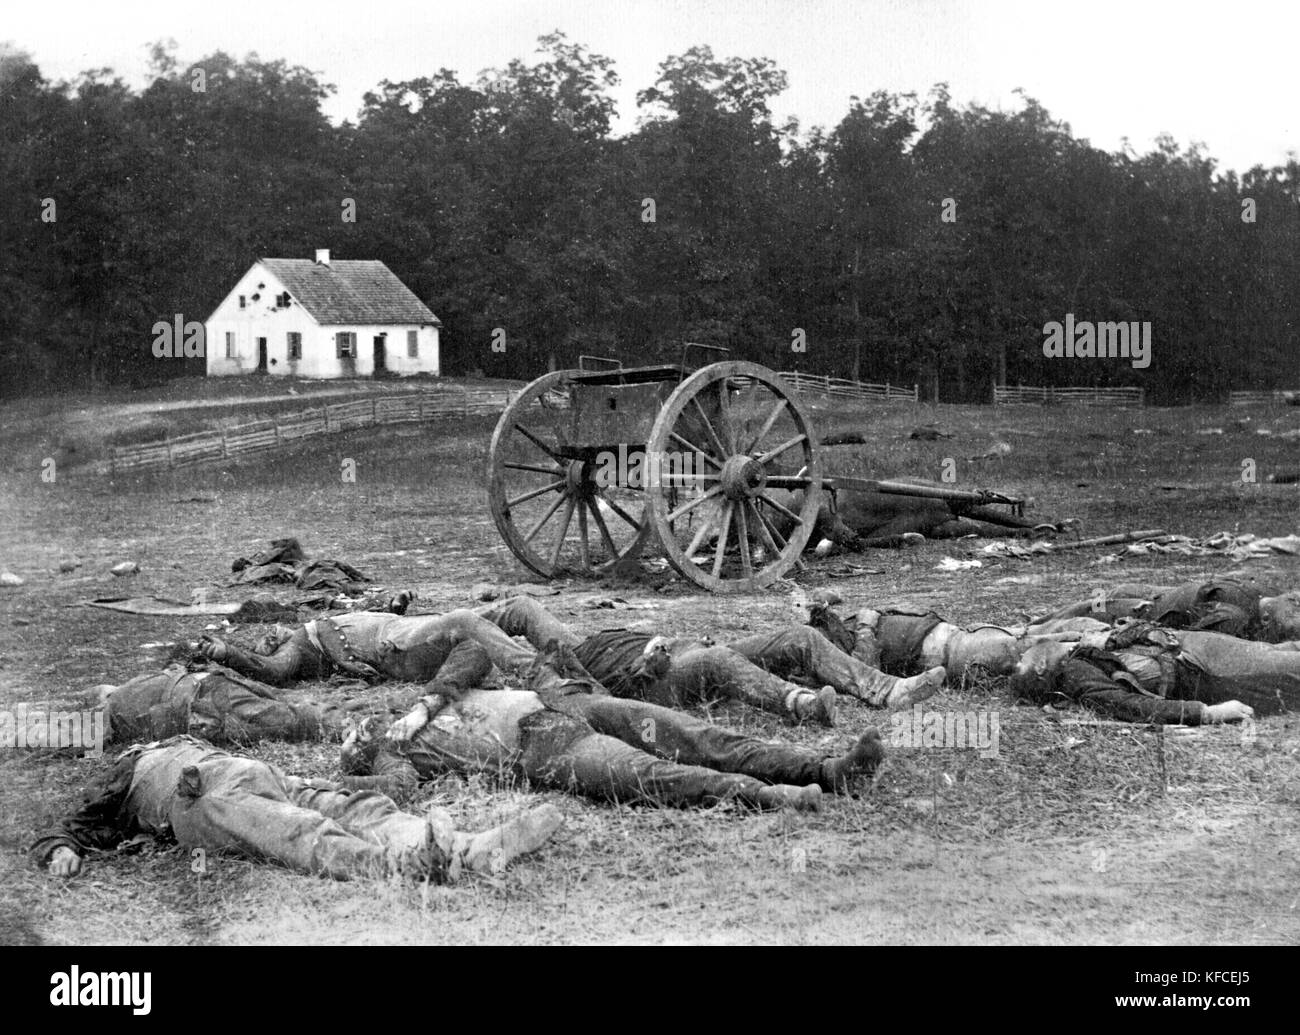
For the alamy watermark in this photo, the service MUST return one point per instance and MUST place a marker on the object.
(180, 339)
(648, 468)
(24, 727)
(130, 988)
(975, 730)
(1084, 339)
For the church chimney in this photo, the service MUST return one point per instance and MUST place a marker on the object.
(323, 256)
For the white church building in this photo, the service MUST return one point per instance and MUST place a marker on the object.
(321, 318)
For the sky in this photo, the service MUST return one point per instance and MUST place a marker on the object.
(1200, 71)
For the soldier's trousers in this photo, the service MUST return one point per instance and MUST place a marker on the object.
(311, 827)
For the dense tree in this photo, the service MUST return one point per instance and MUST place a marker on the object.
(916, 240)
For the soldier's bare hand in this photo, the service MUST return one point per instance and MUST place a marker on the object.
(212, 648)
(410, 724)
(1229, 711)
(64, 862)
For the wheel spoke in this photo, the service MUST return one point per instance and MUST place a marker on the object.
(584, 551)
(700, 534)
(742, 538)
(531, 467)
(771, 527)
(708, 427)
(772, 417)
(772, 454)
(728, 430)
(695, 449)
(623, 514)
(523, 497)
(564, 530)
(764, 532)
(536, 441)
(686, 508)
(532, 533)
(784, 510)
(604, 530)
(728, 507)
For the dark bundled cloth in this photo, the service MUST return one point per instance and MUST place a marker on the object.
(264, 608)
(286, 563)
(1228, 605)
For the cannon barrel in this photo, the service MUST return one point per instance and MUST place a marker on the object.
(975, 497)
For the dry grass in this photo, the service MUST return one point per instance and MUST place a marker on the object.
(1077, 832)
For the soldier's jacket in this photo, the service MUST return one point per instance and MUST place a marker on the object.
(1135, 677)
(1227, 605)
(615, 659)
(219, 705)
(898, 635)
(133, 797)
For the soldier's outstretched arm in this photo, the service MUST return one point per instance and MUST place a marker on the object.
(294, 659)
(98, 823)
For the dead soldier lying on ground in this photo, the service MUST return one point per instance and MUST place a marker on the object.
(369, 644)
(904, 641)
(223, 707)
(1147, 673)
(1235, 605)
(209, 799)
(568, 733)
(415, 647)
(754, 669)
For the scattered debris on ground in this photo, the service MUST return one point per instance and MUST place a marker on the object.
(286, 563)
(158, 606)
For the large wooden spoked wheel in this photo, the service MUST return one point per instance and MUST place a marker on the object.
(739, 481)
(556, 514)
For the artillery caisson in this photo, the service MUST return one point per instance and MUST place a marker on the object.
(589, 468)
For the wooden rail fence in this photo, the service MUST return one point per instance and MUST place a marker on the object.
(843, 388)
(1278, 397)
(1024, 395)
(226, 443)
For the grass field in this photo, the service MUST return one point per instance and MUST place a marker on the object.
(1078, 832)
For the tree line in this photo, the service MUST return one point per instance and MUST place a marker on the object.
(920, 240)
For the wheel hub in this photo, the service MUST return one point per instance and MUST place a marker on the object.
(578, 481)
(743, 477)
